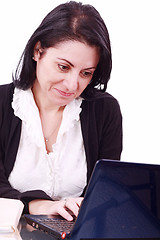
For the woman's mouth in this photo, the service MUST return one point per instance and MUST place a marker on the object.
(64, 94)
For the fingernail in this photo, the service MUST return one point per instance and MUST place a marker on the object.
(70, 218)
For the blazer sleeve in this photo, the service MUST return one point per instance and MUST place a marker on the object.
(10, 129)
(101, 124)
(110, 146)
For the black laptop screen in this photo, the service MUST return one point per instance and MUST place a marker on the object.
(123, 202)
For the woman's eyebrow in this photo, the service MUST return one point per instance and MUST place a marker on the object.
(66, 61)
(90, 68)
(73, 65)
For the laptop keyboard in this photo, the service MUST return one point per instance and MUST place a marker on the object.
(60, 225)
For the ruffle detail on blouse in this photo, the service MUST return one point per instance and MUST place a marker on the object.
(71, 116)
(25, 108)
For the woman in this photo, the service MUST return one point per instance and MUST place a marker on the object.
(56, 120)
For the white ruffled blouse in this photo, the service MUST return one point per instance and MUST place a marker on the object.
(61, 173)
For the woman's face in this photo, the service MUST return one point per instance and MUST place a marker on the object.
(64, 71)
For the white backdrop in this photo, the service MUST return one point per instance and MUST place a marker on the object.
(134, 27)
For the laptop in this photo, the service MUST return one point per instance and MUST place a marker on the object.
(122, 201)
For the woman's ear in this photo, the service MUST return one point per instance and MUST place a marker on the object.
(37, 51)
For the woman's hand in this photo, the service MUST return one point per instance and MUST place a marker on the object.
(65, 208)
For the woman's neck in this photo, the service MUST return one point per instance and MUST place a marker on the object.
(43, 103)
(51, 117)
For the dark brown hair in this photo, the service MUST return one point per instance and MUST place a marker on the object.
(69, 21)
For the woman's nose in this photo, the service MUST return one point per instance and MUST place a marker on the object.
(71, 82)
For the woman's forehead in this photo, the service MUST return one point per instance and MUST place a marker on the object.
(76, 52)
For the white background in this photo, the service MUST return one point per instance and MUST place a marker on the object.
(134, 27)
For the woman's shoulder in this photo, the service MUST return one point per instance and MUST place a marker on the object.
(101, 103)
(6, 93)
(100, 97)
(97, 94)
(6, 89)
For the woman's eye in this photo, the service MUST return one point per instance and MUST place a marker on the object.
(87, 74)
(63, 68)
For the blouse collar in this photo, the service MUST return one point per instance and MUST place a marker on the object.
(25, 108)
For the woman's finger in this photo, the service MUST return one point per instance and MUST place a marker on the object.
(79, 201)
(73, 205)
(62, 211)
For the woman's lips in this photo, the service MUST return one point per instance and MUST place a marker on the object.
(65, 94)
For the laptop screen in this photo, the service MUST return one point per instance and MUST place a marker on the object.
(122, 201)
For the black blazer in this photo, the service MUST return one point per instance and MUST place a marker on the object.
(101, 123)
